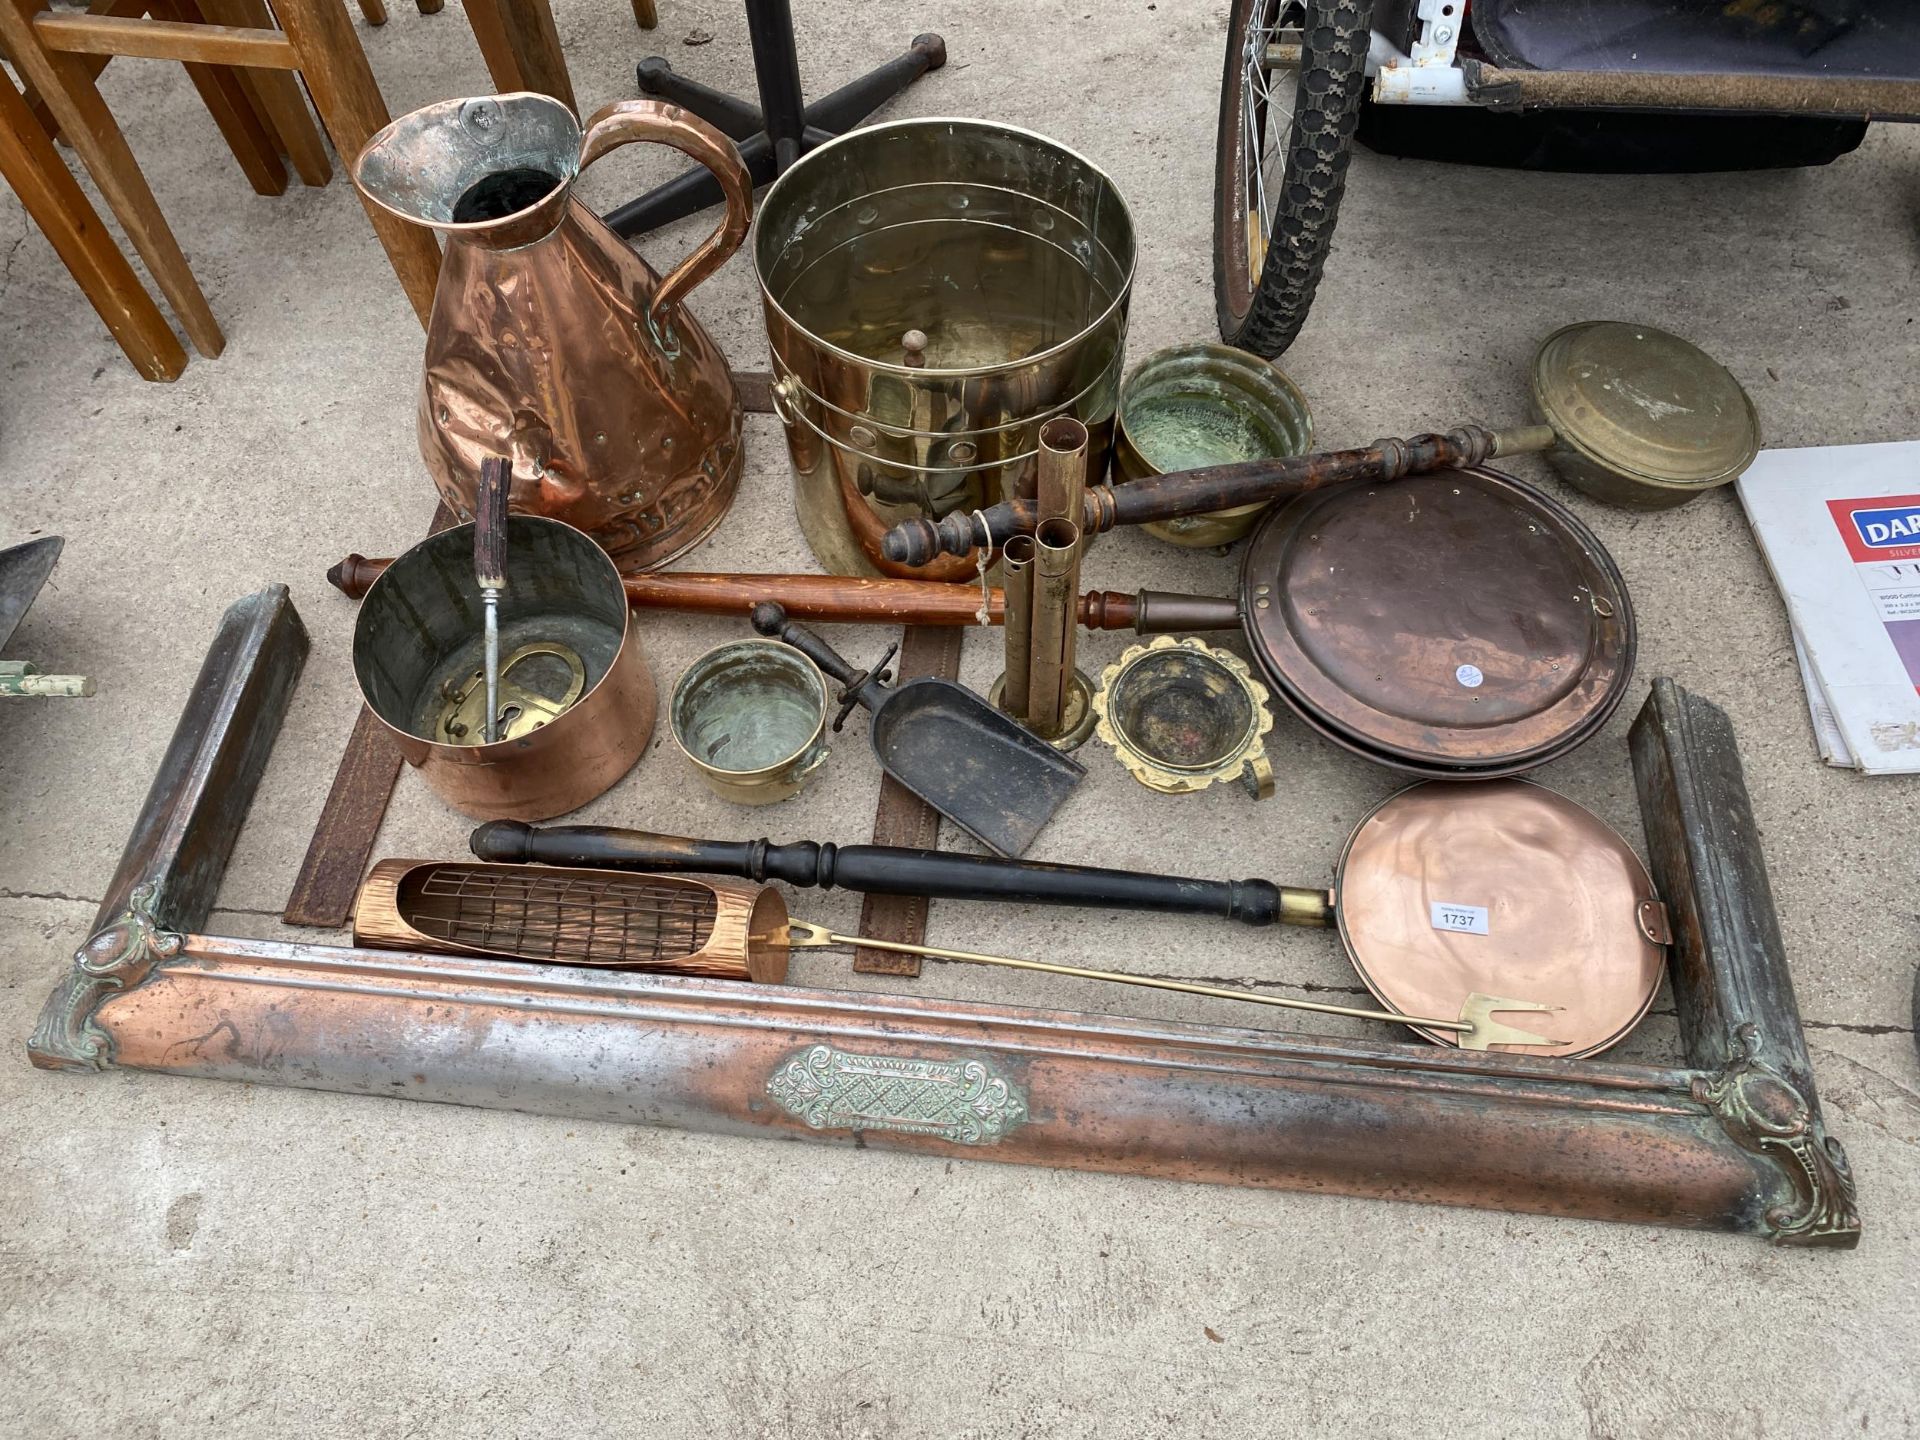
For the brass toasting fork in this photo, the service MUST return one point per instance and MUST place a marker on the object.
(1475, 1025)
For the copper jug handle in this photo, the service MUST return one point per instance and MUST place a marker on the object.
(625, 121)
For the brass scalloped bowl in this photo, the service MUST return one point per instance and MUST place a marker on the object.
(1182, 715)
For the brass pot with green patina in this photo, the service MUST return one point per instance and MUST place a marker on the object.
(1205, 404)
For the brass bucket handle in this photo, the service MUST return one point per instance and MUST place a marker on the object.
(625, 121)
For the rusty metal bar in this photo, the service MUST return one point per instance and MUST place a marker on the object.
(1499, 89)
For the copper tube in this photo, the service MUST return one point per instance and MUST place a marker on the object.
(1063, 468)
(1016, 565)
(1056, 568)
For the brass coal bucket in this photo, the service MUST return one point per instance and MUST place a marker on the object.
(551, 340)
(935, 291)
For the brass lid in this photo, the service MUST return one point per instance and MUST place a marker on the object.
(1645, 404)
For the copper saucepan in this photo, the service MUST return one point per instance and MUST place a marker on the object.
(577, 700)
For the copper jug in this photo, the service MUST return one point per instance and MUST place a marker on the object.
(551, 339)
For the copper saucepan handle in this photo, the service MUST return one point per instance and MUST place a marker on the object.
(625, 121)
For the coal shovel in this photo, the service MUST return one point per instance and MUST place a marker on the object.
(982, 769)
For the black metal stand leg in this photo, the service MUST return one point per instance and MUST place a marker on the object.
(734, 117)
(777, 132)
(840, 111)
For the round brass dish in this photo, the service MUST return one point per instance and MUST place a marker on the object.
(1504, 888)
(1181, 715)
(1206, 404)
(1455, 625)
(1645, 419)
(1076, 723)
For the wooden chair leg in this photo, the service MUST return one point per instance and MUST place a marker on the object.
(89, 127)
(431, 7)
(646, 14)
(375, 11)
(56, 203)
(278, 95)
(351, 109)
(518, 41)
(227, 93)
(231, 107)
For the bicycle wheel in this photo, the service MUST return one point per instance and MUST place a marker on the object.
(1289, 101)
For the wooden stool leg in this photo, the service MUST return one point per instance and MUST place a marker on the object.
(375, 11)
(530, 23)
(518, 41)
(89, 127)
(56, 203)
(431, 7)
(279, 95)
(646, 14)
(231, 107)
(351, 108)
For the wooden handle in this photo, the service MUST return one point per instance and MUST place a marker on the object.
(1193, 492)
(832, 599)
(490, 523)
(882, 870)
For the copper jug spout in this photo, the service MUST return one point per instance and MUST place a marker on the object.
(551, 339)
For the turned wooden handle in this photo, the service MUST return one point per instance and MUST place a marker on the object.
(887, 870)
(832, 599)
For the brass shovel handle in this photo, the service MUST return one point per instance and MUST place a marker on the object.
(625, 121)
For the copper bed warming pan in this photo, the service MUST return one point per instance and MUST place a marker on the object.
(1457, 625)
(1443, 892)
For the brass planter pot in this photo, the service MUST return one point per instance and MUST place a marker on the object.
(416, 645)
(1206, 404)
(934, 292)
(751, 718)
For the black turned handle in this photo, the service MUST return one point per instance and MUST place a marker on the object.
(868, 687)
(879, 870)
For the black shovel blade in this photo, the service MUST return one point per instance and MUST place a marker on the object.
(24, 568)
(983, 770)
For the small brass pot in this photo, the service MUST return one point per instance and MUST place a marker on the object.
(1181, 715)
(1206, 404)
(751, 717)
(584, 701)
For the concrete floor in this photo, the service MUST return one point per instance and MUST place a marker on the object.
(184, 1258)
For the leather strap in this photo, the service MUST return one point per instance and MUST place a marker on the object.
(903, 818)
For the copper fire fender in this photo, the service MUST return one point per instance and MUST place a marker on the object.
(1734, 1141)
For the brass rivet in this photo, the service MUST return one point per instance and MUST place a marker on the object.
(1263, 604)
